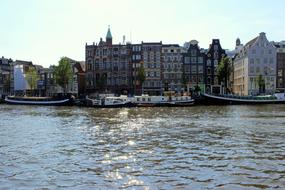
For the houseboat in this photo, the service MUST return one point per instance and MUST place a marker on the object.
(151, 101)
(110, 102)
(46, 101)
(277, 98)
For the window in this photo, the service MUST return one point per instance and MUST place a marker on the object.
(280, 82)
(216, 55)
(208, 62)
(257, 70)
(194, 79)
(280, 73)
(251, 69)
(270, 51)
(200, 60)
(193, 60)
(208, 71)
(193, 69)
(200, 79)
(265, 60)
(200, 69)
(251, 61)
(187, 60)
(209, 80)
(253, 51)
(257, 61)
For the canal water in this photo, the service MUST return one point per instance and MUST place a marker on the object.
(199, 147)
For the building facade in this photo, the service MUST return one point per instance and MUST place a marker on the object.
(255, 67)
(280, 81)
(108, 67)
(194, 67)
(231, 54)
(214, 55)
(5, 70)
(47, 85)
(151, 53)
(172, 67)
(137, 62)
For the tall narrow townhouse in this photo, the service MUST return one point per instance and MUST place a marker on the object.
(255, 67)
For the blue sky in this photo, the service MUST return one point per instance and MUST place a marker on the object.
(44, 30)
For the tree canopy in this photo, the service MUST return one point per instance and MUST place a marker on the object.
(63, 73)
(261, 84)
(32, 78)
(141, 74)
(224, 70)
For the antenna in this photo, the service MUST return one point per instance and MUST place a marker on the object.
(131, 35)
(124, 39)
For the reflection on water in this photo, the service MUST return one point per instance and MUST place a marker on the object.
(227, 147)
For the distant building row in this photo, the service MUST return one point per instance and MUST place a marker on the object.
(13, 79)
(258, 67)
(114, 67)
(170, 67)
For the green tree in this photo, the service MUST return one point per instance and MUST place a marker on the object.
(224, 70)
(261, 84)
(63, 73)
(32, 78)
(141, 75)
(197, 89)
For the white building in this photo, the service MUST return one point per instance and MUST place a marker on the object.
(255, 67)
(19, 84)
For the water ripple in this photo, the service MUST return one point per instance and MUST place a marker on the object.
(228, 147)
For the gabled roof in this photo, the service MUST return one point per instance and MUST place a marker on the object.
(80, 66)
(251, 42)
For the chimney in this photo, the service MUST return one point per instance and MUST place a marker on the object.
(262, 34)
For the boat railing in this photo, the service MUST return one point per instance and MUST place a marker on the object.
(270, 97)
(35, 99)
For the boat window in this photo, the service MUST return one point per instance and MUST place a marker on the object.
(138, 99)
(149, 99)
(143, 99)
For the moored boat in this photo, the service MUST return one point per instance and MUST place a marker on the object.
(168, 101)
(46, 101)
(111, 102)
(277, 98)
